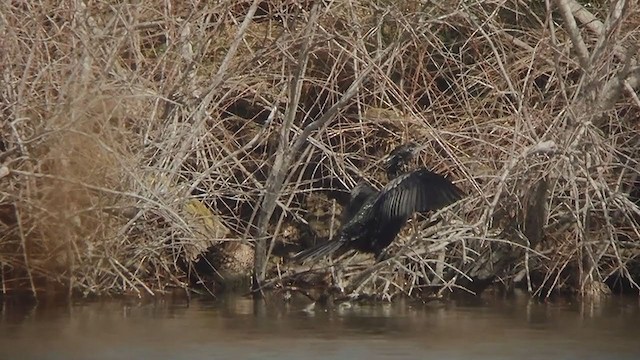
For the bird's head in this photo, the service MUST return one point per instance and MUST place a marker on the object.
(396, 162)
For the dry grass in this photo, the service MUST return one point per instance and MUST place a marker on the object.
(120, 121)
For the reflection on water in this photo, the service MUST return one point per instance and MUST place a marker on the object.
(238, 328)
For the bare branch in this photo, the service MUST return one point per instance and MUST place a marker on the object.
(576, 38)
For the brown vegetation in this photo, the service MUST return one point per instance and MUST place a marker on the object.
(141, 142)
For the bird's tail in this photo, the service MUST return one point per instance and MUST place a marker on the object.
(318, 251)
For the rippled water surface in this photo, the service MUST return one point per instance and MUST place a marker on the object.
(238, 328)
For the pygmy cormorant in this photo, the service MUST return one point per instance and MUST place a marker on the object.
(373, 218)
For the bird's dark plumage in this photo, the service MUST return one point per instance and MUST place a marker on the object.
(359, 195)
(373, 218)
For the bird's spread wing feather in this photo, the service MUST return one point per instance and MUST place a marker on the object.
(418, 191)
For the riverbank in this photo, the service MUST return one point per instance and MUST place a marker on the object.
(149, 147)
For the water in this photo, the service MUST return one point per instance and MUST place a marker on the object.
(237, 328)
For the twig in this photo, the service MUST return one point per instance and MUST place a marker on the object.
(25, 253)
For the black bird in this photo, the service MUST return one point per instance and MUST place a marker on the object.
(373, 218)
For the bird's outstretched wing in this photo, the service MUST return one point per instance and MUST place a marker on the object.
(418, 191)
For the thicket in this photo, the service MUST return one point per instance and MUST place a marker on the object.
(144, 145)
